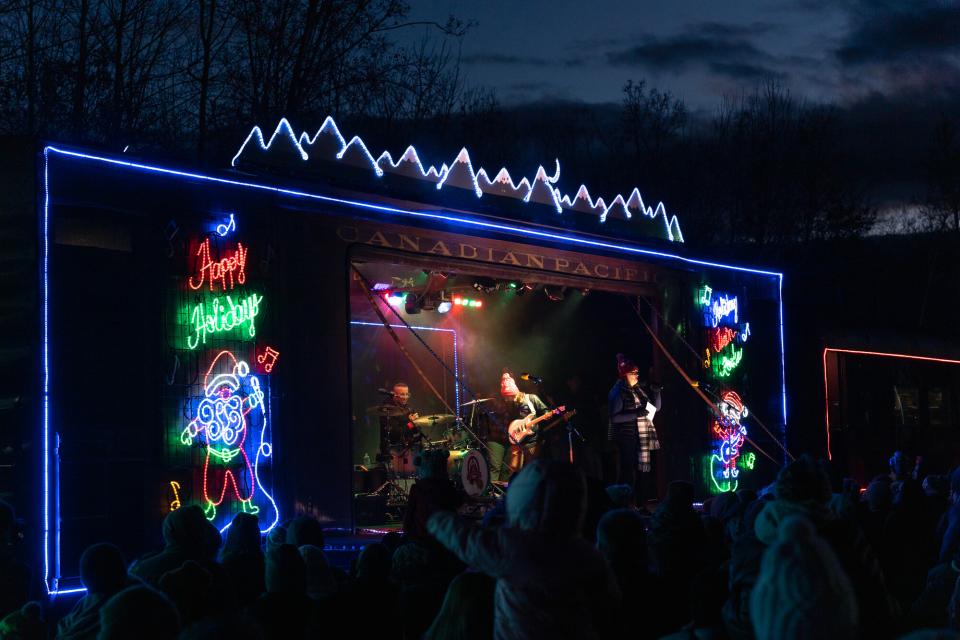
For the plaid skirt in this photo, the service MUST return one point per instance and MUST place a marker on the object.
(648, 442)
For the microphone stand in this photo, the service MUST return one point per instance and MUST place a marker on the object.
(572, 431)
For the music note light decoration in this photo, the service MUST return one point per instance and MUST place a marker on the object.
(268, 359)
(224, 229)
(231, 423)
(175, 503)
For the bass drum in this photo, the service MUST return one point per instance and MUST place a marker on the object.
(469, 471)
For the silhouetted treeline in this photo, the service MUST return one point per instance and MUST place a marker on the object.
(188, 78)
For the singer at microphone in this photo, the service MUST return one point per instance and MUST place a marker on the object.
(531, 378)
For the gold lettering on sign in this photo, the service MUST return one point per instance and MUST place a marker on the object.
(495, 252)
(378, 238)
(412, 244)
(440, 248)
(510, 258)
(348, 234)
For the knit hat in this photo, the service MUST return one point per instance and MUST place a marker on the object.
(625, 366)
(508, 386)
(802, 590)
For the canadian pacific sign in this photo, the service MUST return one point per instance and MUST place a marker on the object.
(499, 252)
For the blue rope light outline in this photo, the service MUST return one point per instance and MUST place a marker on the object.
(368, 206)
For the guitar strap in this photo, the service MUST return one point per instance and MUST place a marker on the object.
(529, 403)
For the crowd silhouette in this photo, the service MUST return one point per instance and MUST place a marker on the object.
(560, 557)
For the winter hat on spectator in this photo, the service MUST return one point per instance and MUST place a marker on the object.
(802, 591)
(803, 479)
(102, 569)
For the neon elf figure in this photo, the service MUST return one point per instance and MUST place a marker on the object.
(232, 405)
(730, 436)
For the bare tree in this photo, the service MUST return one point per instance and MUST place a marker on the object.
(942, 206)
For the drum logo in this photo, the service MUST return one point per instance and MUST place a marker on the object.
(474, 476)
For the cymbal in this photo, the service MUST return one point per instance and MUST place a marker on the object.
(387, 411)
(435, 419)
(477, 401)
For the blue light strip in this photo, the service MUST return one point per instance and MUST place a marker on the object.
(46, 372)
(456, 357)
(367, 206)
(470, 222)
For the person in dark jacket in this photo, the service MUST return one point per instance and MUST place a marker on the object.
(550, 581)
(930, 607)
(803, 488)
(242, 558)
(631, 428)
(104, 573)
(188, 535)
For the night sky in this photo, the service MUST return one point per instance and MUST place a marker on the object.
(890, 69)
(825, 51)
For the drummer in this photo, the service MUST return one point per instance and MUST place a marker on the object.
(396, 420)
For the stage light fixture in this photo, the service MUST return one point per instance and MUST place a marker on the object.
(555, 294)
(460, 301)
(412, 305)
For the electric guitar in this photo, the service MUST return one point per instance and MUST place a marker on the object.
(522, 430)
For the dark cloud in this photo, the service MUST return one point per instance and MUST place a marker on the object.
(745, 71)
(681, 51)
(703, 43)
(882, 32)
(503, 59)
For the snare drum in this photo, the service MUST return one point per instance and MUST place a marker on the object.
(469, 471)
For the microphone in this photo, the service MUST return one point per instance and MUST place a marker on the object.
(531, 378)
(385, 392)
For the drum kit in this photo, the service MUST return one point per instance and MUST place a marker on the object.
(467, 465)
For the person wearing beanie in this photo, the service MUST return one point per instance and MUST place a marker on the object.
(632, 430)
(103, 572)
(517, 405)
(803, 489)
(187, 535)
(802, 591)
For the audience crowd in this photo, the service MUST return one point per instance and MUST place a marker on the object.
(558, 557)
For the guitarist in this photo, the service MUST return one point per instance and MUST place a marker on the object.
(517, 405)
(631, 428)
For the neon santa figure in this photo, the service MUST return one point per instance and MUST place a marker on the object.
(230, 395)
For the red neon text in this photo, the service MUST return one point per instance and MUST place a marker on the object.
(227, 271)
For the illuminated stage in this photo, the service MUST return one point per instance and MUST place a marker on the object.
(219, 338)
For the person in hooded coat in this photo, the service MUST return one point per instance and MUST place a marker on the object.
(139, 612)
(803, 489)
(103, 572)
(551, 583)
(242, 558)
(802, 592)
(187, 535)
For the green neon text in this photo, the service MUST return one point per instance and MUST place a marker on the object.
(223, 315)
